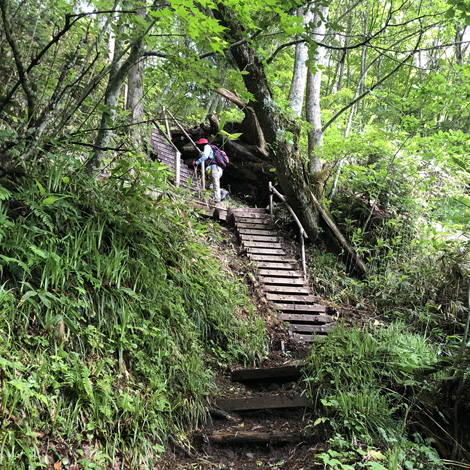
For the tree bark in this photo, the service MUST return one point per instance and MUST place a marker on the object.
(135, 82)
(312, 104)
(297, 87)
(281, 133)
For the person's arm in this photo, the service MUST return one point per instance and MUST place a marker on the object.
(205, 155)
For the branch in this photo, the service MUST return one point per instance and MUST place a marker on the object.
(353, 102)
(155, 54)
(231, 97)
(235, 44)
(23, 74)
(84, 144)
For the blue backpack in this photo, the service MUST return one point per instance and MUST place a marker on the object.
(220, 157)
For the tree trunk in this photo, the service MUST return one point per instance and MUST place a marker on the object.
(281, 133)
(135, 83)
(312, 107)
(297, 87)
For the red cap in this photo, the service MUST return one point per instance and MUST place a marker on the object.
(203, 141)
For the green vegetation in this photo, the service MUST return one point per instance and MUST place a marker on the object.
(368, 388)
(111, 306)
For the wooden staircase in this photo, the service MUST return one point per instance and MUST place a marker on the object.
(282, 280)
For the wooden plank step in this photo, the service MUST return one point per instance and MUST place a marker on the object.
(267, 402)
(242, 375)
(252, 215)
(254, 223)
(284, 266)
(287, 281)
(300, 309)
(249, 225)
(301, 299)
(262, 244)
(308, 337)
(259, 238)
(272, 258)
(305, 290)
(314, 319)
(252, 210)
(256, 232)
(220, 213)
(309, 328)
(280, 273)
(238, 437)
(266, 251)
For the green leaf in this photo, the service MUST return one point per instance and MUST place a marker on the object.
(41, 188)
(50, 200)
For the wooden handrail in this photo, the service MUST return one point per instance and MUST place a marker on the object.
(303, 234)
(203, 165)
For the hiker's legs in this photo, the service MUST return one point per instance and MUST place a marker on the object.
(215, 180)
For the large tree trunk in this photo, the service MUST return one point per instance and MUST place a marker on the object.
(312, 108)
(297, 87)
(281, 133)
(135, 83)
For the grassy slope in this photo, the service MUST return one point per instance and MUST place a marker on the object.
(109, 304)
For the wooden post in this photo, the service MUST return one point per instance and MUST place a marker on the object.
(177, 169)
(203, 177)
(271, 197)
(177, 154)
(302, 245)
(167, 127)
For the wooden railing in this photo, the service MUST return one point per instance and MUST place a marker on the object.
(166, 113)
(303, 235)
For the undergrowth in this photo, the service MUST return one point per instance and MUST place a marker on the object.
(110, 301)
(368, 387)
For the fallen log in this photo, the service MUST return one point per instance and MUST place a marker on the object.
(254, 437)
(339, 236)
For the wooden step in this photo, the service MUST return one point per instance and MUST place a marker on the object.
(318, 319)
(301, 299)
(238, 437)
(309, 337)
(298, 328)
(256, 232)
(266, 251)
(284, 266)
(305, 290)
(259, 238)
(292, 372)
(251, 210)
(262, 244)
(266, 402)
(280, 273)
(252, 226)
(243, 223)
(314, 319)
(300, 309)
(242, 216)
(285, 281)
(273, 259)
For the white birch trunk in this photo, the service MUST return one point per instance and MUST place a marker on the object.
(312, 105)
(297, 87)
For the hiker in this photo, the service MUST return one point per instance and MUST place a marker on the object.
(213, 170)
